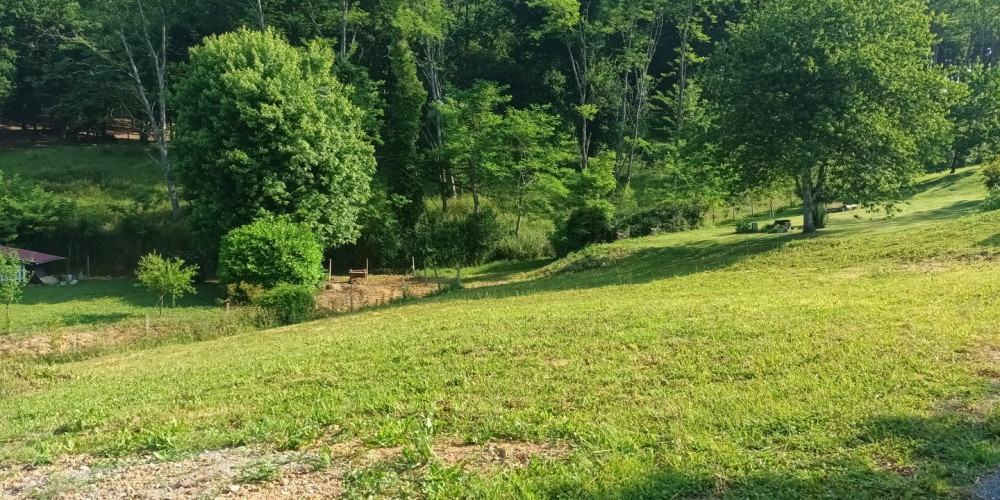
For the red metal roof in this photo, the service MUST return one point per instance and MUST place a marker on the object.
(32, 257)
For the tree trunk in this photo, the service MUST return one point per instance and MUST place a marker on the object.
(475, 201)
(517, 226)
(808, 203)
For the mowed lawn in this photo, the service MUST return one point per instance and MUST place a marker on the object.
(94, 303)
(859, 363)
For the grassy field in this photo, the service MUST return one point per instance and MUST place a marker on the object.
(857, 363)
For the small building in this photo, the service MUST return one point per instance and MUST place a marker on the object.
(33, 262)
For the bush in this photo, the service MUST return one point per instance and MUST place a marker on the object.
(744, 227)
(664, 218)
(481, 234)
(592, 223)
(532, 243)
(243, 294)
(288, 304)
(458, 242)
(271, 251)
(992, 202)
(992, 173)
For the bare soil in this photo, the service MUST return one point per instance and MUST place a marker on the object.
(223, 473)
(340, 295)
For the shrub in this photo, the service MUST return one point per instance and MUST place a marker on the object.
(992, 173)
(992, 202)
(243, 293)
(166, 277)
(481, 234)
(535, 243)
(664, 218)
(459, 242)
(592, 223)
(820, 215)
(271, 251)
(744, 227)
(288, 304)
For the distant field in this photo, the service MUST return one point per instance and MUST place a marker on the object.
(857, 363)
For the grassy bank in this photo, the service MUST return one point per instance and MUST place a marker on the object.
(859, 363)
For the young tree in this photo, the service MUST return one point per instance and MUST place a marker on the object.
(473, 122)
(12, 283)
(537, 154)
(166, 277)
(264, 128)
(835, 96)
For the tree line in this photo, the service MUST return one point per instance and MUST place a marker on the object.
(586, 120)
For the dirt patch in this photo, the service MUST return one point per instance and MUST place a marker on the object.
(248, 472)
(341, 296)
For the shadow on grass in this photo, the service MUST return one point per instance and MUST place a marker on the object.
(600, 269)
(93, 319)
(944, 456)
(992, 241)
(123, 291)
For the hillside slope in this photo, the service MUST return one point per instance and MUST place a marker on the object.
(857, 363)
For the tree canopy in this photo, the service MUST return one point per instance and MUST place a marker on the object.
(264, 128)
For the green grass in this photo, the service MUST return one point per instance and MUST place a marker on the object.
(857, 363)
(100, 302)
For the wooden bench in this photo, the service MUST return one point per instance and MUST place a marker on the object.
(358, 273)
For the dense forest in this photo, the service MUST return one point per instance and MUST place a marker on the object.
(510, 129)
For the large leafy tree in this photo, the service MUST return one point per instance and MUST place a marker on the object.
(835, 96)
(264, 128)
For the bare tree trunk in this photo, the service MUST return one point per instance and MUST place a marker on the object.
(343, 29)
(475, 201)
(259, 12)
(155, 107)
(808, 202)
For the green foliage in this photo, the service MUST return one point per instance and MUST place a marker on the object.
(992, 202)
(480, 233)
(12, 283)
(457, 242)
(474, 124)
(264, 128)
(992, 173)
(271, 251)
(166, 277)
(288, 304)
(663, 218)
(243, 293)
(27, 211)
(587, 225)
(402, 130)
